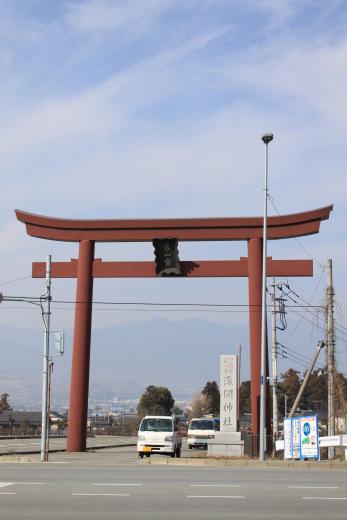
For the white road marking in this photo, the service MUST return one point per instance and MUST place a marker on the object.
(101, 494)
(7, 493)
(313, 487)
(114, 484)
(216, 485)
(324, 498)
(5, 484)
(30, 483)
(54, 462)
(215, 496)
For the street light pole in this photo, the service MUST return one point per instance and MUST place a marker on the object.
(266, 138)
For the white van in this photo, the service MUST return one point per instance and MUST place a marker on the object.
(158, 434)
(200, 430)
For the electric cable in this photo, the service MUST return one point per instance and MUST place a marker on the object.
(295, 238)
(15, 280)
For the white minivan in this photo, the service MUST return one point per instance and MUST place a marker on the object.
(158, 434)
(200, 430)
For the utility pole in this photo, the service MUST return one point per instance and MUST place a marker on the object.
(44, 302)
(330, 354)
(274, 364)
(320, 345)
(50, 371)
(46, 315)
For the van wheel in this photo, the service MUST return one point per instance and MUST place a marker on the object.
(178, 452)
(141, 454)
(147, 454)
(190, 446)
(172, 455)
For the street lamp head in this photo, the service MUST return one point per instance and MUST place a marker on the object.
(267, 138)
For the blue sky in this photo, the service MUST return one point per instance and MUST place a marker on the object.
(155, 108)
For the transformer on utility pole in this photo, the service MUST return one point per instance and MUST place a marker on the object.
(330, 354)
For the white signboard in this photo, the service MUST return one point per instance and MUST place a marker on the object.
(228, 393)
(287, 437)
(309, 438)
(301, 440)
(296, 438)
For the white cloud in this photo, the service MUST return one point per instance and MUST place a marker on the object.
(315, 76)
(176, 133)
(10, 235)
(99, 16)
(57, 121)
(101, 109)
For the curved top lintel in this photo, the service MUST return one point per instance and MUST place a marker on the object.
(227, 228)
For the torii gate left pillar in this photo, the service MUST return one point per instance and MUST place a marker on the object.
(79, 390)
(87, 232)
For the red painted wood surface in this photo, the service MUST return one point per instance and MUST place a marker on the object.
(199, 268)
(190, 229)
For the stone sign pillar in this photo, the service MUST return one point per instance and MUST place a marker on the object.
(228, 393)
(227, 442)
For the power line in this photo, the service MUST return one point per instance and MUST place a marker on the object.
(311, 300)
(161, 309)
(285, 355)
(96, 309)
(339, 327)
(15, 280)
(181, 304)
(305, 358)
(297, 240)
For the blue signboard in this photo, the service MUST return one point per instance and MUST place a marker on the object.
(301, 438)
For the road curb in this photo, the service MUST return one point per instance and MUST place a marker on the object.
(16, 458)
(92, 448)
(23, 455)
(303, 465)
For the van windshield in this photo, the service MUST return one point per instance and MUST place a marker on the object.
(156, 425)
(201, 424)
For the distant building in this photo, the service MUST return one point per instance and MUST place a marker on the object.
(27, 423)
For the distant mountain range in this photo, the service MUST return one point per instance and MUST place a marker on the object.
(125, 359)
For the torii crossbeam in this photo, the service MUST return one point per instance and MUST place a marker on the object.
(86, 268)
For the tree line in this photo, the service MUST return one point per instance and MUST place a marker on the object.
(158, 400)
(314, 397)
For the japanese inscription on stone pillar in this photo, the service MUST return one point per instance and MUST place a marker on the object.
(228, 393)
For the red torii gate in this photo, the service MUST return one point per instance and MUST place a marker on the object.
(86, 268)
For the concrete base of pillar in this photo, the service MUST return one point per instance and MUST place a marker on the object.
(226, 444)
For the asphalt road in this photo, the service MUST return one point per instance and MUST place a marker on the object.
(115, 483)
(32, 445)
